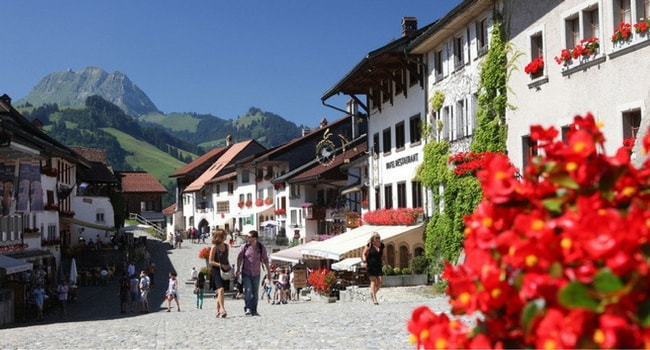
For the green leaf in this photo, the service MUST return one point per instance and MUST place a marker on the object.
(563, 179)
(553, 204)
(644, 314)
(532, 309)
(575, 295)
(556, 270)
(606, 282)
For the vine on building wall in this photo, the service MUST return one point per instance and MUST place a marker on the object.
(462, 193)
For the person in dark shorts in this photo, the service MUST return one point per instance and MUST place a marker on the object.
(373, 257)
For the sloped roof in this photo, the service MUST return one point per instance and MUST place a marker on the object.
(97, 173)
(215, 169)
(209, 156)
(140, 181)
(169, 210)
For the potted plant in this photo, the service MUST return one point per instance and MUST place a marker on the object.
(322, 282)
(204, 253)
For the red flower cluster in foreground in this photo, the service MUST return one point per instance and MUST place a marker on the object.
(398, 216)
(204, 253)
(556, 259)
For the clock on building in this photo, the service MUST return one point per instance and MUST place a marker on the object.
(325, 152)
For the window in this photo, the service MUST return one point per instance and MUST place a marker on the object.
(572, 32)
(414, 74)
(294, 191)
(375, 144)
(386, 90)
(245, 176)
(217, 189)
(400, 136)
(536, 50)
(416, 194)
(482, 37)
(259, 174)
(446, 123)
(458, 53)
(387, 141)
(529, 150)
(231, 188)
(631, 123)
(99, 216)
(414, 129)
(565, 133)
(438, 64)
(461, 118)
(401, 195)
(591, 24)
(623, 12)
(223, 207)
(388, 196)
(399, 83)
(377, 198)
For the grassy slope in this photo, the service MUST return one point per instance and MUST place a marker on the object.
(145, 156)
(173, 121)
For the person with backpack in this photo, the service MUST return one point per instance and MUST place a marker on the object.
(145, 284)
(251, 257)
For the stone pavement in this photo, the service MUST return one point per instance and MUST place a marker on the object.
(95, 321)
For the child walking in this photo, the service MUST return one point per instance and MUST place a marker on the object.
(200, 284)
(172, 292)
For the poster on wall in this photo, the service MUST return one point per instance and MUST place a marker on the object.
(7, 177)
(29, 187)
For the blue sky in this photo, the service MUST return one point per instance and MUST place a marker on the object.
(216, 57)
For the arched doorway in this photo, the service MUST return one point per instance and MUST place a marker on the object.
(390, 254)
(403, 256)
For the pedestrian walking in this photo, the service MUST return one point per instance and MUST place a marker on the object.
(145, 285)
(218, 262)
(172, 292)
(251, 257)
(373, 257)
(199, 285)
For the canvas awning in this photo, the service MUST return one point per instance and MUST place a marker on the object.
(351, 243)
(11, 265)
(247, 212)
(85, 224)
(291, 255)
(346, 264)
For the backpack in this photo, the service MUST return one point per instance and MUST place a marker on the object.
(144, 283)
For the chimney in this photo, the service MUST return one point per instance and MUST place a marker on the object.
(323, 123)
(409, 25)
(6, 99)
(305, 131)
(228, 140)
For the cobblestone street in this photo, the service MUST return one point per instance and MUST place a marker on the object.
(95, 321)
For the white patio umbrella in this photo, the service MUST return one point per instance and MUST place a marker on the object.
(73, 272)
(268, 223)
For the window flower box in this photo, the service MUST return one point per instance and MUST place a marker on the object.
(268, 201)
(641, 27)
(281, 211)
(240, 204)
(51, 206)
(49, 171)
(622, 33)
(535, 68)
(259, 202)
(582, 53)
(398, 216)
(249, 203)
(50, 242)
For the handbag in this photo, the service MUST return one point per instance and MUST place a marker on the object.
(226, 275)
(196, 290)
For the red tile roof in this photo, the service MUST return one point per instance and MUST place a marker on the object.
(210, 156)
(215, 169)
(140, 181)
(169, 210)
(320, 169)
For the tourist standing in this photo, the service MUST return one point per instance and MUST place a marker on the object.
(219, 261)
(62, 293)
(39, 300)
(172, 292)
(123, 292)
(145, 285)
(249, 260)
(134, 292)
(200, 284)
(373, 257)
